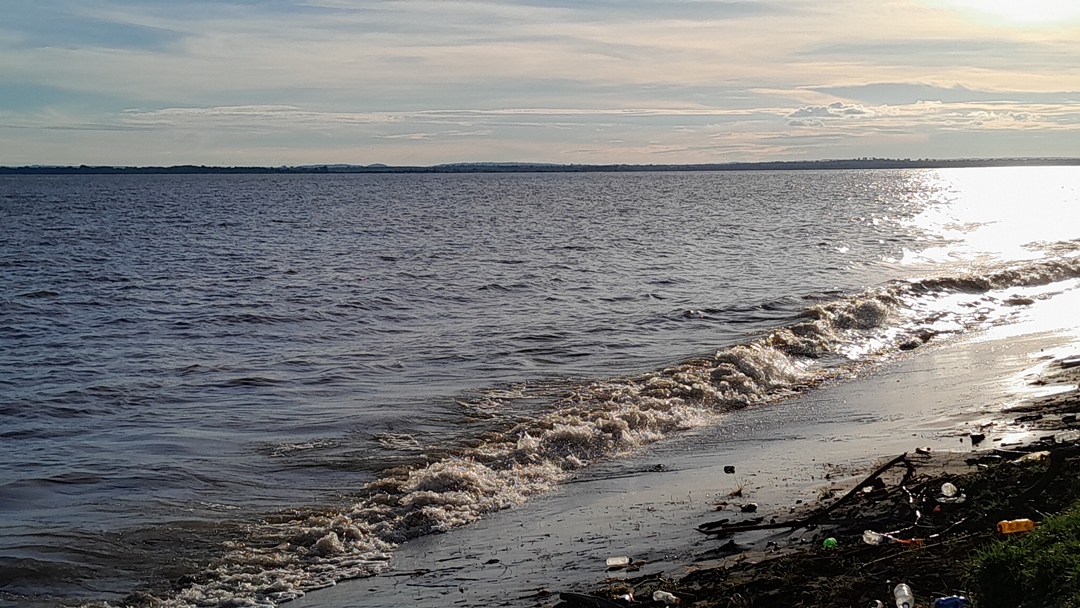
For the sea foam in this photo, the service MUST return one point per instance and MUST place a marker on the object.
(283, 559)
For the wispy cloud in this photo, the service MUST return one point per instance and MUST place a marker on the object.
(416, 81)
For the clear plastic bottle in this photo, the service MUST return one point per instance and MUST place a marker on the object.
(874, 538)
(904, 597)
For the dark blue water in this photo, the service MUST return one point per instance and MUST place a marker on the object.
(184, 356)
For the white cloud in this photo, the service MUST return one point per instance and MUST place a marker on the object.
(837, 109)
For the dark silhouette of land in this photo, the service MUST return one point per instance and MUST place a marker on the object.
(516, 167)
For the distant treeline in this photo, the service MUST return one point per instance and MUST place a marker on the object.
(856, 163)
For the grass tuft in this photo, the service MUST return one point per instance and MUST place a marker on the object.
(1039, 569)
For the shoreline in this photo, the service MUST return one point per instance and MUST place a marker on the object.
(648, 508)
(809, 577)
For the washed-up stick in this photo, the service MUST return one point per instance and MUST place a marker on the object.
(1057, 460)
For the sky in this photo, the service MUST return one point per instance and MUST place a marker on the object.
(424, 82)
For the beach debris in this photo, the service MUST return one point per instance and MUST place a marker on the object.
(1067, 436)
(614, 563)
(903, 596)
(729, 469)
(720, 528)
(1013, 526)
(875, 538)
(875, 604)
(1057, 461)
(950, 494)
(1033, 457)
(878, 538)
(924, 450)
(830, 543)
(749, 507)
(875, 487)
(976, 438)
(952, 601)
(663, 596)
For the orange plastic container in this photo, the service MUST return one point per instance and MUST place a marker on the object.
(1012, 526)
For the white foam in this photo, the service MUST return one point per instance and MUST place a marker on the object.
(284, 559)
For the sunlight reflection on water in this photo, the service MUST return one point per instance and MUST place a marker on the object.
(998, 213)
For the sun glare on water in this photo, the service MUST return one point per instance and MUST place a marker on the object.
(1029, 12)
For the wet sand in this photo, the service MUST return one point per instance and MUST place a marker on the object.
(786, 457)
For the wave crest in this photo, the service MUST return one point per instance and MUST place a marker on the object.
(283, 559)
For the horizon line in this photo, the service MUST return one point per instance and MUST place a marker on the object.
(536, 167)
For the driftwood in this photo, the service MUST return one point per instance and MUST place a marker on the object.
(1057, 460)
(720, 528)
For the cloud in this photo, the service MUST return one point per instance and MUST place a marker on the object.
(901, 93)
(410, 136)
(985, 117)
(455, 80)
(806, 122)
(837, 109)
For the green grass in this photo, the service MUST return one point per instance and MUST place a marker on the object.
(1039, 569)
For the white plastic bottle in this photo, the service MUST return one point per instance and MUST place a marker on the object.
(904, 598)
(663, 596)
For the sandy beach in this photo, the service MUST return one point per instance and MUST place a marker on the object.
(787, 458)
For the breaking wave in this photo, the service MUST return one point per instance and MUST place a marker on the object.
(281, 559)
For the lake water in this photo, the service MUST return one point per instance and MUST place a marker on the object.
(222, 389)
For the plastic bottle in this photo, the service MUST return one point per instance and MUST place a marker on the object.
(874, 538)
(618, 562)
(665, 597)
(1012, 526)
(903, 595)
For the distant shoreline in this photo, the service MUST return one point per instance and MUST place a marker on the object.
(857, 163)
